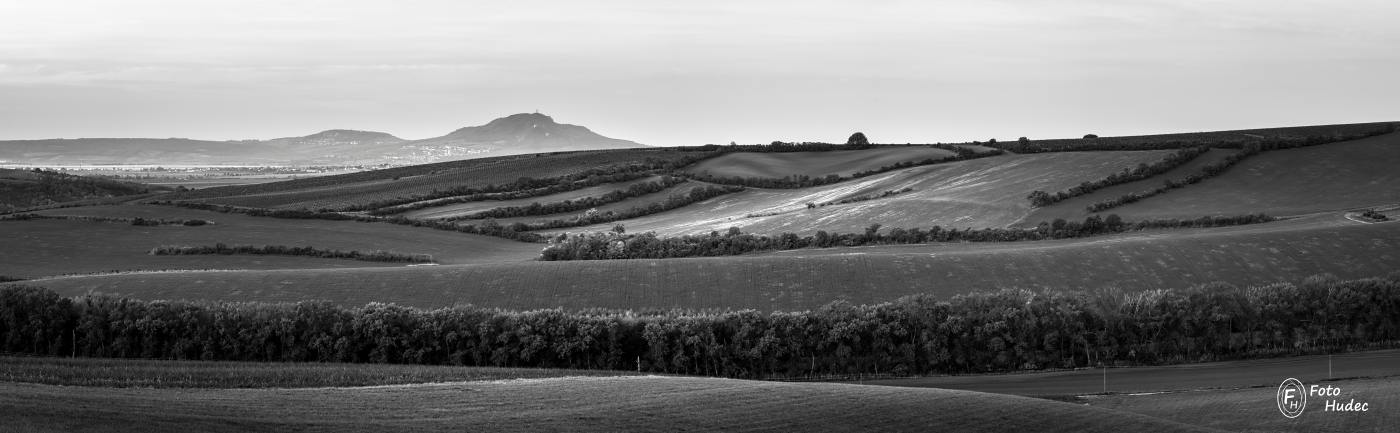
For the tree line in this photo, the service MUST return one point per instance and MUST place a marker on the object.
(283, 250)
(1142, 171)
(583, 203)
(1005, 330)
(136, 221)
(613, 246)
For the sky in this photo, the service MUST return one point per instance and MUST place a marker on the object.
(687, 73)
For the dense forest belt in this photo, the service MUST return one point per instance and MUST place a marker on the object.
(1004, 330)
(283, 250)
(584, 203)
(136, 221)
(608, 246)
(960, 153)
(1224, 139)
(1142, 171)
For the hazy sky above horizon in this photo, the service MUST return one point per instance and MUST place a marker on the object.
(672, 73)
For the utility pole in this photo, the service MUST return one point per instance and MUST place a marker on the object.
(1329, 366)
(1105, 378)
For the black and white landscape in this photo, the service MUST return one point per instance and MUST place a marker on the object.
(715, 216)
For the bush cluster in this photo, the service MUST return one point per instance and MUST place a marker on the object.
(283, 250)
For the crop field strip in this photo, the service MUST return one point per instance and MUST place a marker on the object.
(468, 208)
(47, 247)
(806, 279)
(371, 186)
(814, 164)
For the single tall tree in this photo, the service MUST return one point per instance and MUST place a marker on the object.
(858, 139)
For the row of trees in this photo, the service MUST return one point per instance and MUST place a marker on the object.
(980, 332)
(583, 203)
(612, 245)
(283, 250)
(1142, 171)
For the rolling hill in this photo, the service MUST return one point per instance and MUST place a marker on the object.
(802, 279)
(21, 189)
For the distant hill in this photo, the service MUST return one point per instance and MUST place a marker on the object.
(511, 135)
(518, 134)
(21, 189)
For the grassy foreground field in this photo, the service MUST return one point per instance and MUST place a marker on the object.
(1255, 410)
(602, 404)
(806, 279)
(1214, 375)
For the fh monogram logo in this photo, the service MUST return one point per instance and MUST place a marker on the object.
(1292, 398)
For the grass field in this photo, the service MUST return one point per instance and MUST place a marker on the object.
(136, 373)
(814, 164)
(1073, 209)
(1359, 173)
(1255, 410)
(1213, 375)
(581, 404)
(805, 279)
(984, 192)
(52, 247)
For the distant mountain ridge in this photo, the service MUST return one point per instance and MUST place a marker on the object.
(511, 135)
